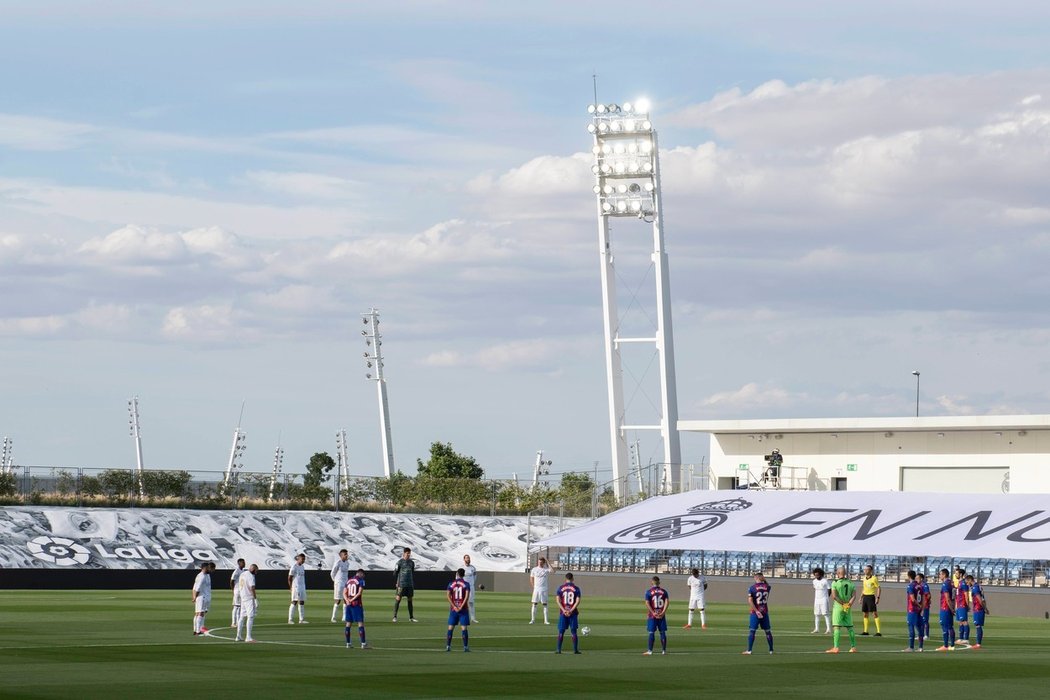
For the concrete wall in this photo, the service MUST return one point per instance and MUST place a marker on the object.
(1014, 602)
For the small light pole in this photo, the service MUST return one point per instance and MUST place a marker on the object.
(916, 373)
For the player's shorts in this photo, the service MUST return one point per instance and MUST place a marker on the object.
(354, 613)
(460, 617)
(337, 590)
(961, 614)
(571, 622)
(757, 622)
(867, 604)
(539, 595)
(202, 603)
(696, 602)
(978, 617)
(946, 619)
(472, 588)
(406, 591)
(840, 617)
(914, 620)
(655, 625)
(820, 606)
(249, 607)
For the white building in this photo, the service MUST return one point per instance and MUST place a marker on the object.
(949, 454)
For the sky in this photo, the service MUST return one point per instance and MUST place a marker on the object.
(197, 203)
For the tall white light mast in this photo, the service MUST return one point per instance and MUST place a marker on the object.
(133, 424)
(236, 452)
(7, 459)
(374, 363)
(278, 463)
(342, 460)
(627, 184)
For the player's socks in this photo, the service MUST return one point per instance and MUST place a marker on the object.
(944, 635)
(951, 636)
(533, 619)
(561, 638)
(652, 638)
(448, 639)
(911, 636)
(980, 634)
(346, 633)
(411, 612)
(703, 618)
(397, 604)
(575, 643)
(769, 640)
(689, 621)
(361, 635)
(335, 609)
(248, 631)
(546, 620)
(865, 625)
(663, 642)
(878, 626)
(466, 639)
(291, 612)
(852, 637)
(750, 641)
(816, 623)
(835, 638)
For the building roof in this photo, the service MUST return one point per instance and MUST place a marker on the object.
(865, 425)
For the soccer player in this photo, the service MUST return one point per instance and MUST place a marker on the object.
(980, 607)
(656, 600)
(842, 594)
(568, 598)
(821, 591)
(920, 579)
(962, 610)
(297, 585)
(913, 604)
(538, 579)
(340, 574)
(470, 575)
(458, 594)
(405, 583)
(869, 601)
(758, 601)
(354, 607)
(201, 598)
(947, 613)
(234, 578)
(249, 603)
(697, 585)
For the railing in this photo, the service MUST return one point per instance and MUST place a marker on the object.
(998, 572)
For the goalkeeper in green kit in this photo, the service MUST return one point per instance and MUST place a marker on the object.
(842, 594)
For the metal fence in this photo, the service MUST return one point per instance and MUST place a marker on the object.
(1000, 572)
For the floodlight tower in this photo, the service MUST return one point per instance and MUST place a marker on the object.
(7, 463)
(236, 453)
(374, 362)
(342, 461)
(627, 184)
(133, 424)
(278, 462)
(542, 468)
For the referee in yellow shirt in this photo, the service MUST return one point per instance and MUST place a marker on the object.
(869, 600)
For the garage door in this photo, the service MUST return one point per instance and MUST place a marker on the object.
(956, 479)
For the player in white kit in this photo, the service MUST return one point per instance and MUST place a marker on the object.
(821, 591)
(201, 598)
(697, 585)
(234, 578)
(249, 603)
(297, 585)
(340, 575)
(538, 578)
(470, 575)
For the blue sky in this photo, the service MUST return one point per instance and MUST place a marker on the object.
(197, 202)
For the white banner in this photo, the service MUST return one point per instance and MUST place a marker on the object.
(146, 538)
(888, 523)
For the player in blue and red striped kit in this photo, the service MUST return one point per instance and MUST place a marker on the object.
(568, 597)
(913, 605)
(758, 600)
(458, 594)
(656, 600)
(920, 581)
(947, 612)
(980, 608)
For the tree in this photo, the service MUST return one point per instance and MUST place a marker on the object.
(576, 492)
(317, 471)
(446, 463)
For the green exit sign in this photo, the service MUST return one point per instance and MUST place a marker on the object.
(851, 467)
(742, 467)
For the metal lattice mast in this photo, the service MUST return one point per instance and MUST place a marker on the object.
(374, 363)
(627, 184)
(136, 434)
(7, 460)
(236, 453)
(278, 462)
(343, 461)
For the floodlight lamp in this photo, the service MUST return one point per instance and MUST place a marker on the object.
(636, 206)
(621, 206)
(632, 167)
(606, 168)
(603, 127)
(595, 169)
(368, 343)
(368, 376)
(368, 364)
(597, 189)
(601, 109)
(365, 355)
(628, 125)
(606, 206)
(646, 147)
(647, 167)
(607, 149)
(634, 188)
(590, 109)
(647, 125)
(616, 125)
(620, 168)
(596, 150)
(364, 332)
(628, 107)
(649, 187)
(608, 189)
(618, 148)
(641, 106)
(614, 107)
(364, 321)
(632, 148)
(591, 128)
(622, 189)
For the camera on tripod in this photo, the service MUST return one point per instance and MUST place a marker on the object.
(775, 459)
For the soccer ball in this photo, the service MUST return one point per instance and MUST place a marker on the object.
(585, 631)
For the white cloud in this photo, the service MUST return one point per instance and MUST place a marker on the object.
(30, 133)
(749, 397)
(32, 326)
(136, 244)
(205, 323)
(306, 185)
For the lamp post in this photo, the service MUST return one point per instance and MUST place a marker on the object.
(133, 423)
(7, 463)
(916, 373)
(374, 362)
(236, 453)
(627, 185)
(278, 461)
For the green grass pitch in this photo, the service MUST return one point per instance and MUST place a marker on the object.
(139, 644)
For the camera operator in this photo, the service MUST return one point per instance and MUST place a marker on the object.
(772, 476)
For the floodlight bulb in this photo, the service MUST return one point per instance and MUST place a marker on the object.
(595, 169)
(603, 127)
(606, 168)
(590, 109)
(647, 146)
(606, 206)
(628, 107)
(606, 149)
(614, 107)
(608, 189)
(617, 125)
(629, 125)
(596, 150)
(636, 206)
(620, 168)
(649, 187)
(632, 167)
(632, 148)
(621, 206)
(634, 188)
(647, 125)
(647, 167)
(641, 105)
(619, 148)
(590, 129)
(601, 109)
(597, 189)
(622, 189)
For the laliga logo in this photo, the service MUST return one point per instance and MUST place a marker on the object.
(701, 518)
(58, 550)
